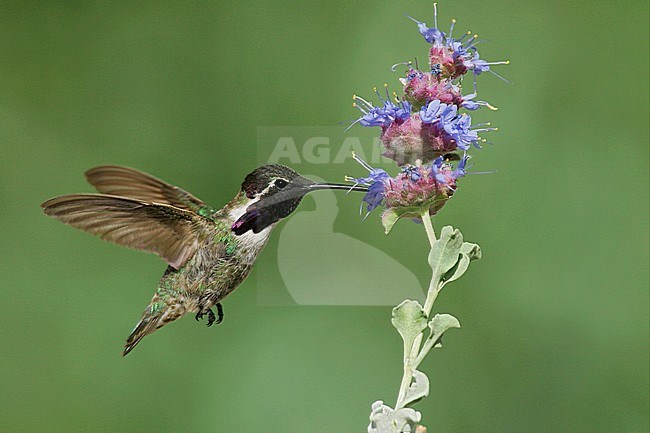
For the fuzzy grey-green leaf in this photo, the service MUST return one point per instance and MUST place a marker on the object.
(409, 319)
(458, 270)
(473, 251)
(388, 219)
(391, 215)
(384, 419)
(444, 252)
(439, 325)
(418, 389)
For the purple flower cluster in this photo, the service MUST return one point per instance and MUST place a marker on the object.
(382, 116)
(420, 129)
(429, 185)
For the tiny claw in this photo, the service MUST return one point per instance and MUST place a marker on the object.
(219, 313)
(211, 317)
(198, 316)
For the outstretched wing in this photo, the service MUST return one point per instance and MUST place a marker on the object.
(172, 233)
(129, 182)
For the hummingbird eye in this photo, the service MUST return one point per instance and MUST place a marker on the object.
(281, 183)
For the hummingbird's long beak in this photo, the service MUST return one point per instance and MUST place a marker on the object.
(327, 185)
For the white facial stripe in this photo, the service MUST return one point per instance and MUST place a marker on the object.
(240, 210)
(271, 185)
(264, 191)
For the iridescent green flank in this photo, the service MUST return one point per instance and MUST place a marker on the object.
(164, 291)
(156, 307)
(206, 212)
(223, 235)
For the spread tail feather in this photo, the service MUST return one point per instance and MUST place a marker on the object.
(146, 326)
(165, 306)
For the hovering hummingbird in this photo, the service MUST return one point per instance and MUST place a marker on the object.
(209, 251)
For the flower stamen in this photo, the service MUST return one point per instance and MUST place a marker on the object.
(435, 14)
(451, 28)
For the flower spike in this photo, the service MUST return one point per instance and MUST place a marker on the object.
(427, 122)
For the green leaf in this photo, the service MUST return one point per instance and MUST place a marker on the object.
(388, 219)
(418, 389)
(473, 251)
(409, 320)
(390, 216)
(439, 325)
(445, 251)
(458, 270)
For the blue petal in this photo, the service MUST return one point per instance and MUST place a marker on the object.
(432, 111)
(469, 103)
(431, 35)
(375, 195)
(460, 169)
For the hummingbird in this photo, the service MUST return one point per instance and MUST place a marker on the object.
(209, 252)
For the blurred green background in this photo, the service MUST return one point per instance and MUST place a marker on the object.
(555, 317)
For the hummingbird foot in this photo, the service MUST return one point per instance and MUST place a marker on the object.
(212, 318)
(219, 313)
(200, 315)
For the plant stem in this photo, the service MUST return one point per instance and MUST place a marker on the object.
(433, 291)
(431, 342)
(431, 297)
(407, 377)
(426, 220)
(411, 355)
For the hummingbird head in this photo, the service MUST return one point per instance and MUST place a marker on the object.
(274, 192)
